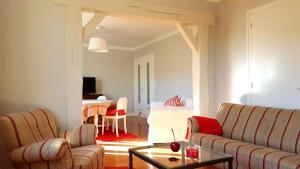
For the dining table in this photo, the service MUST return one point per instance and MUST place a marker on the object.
(95, 108)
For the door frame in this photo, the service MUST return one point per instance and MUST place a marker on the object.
(194, 27)
(249, 47)
(149, 57)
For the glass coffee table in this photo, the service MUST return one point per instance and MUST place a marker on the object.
(158, 155)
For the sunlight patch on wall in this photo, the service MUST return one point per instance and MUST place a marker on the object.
(261, 76)
(240, 84)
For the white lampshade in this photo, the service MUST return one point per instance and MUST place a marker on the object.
(97, 44)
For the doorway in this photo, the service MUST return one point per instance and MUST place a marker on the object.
(144, 84)
(274, 35)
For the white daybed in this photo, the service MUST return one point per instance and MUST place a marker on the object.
(162, 118)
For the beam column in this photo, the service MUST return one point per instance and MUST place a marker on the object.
(202, 73)
(197, 38)
(74, 65)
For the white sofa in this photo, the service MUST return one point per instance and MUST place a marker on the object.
(162, 118)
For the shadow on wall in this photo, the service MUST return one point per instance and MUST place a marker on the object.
(245, 98)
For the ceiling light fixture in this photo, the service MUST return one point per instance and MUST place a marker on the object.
(97, 44)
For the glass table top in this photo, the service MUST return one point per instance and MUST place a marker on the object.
(188, 154)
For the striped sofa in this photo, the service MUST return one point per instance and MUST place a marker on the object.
(257, 137)
(33, 142)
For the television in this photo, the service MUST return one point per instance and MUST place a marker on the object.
(89, 85)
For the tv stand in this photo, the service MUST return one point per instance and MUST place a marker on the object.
(90, 96)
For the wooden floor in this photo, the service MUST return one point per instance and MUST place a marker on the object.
(116, 153)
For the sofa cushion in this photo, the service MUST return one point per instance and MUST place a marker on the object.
(247, 155)
(265, 126)
(80, 136)
(26, 128)
(209, 141)
(208, 125)
(253, 156)
(64, 163)
(87, 157)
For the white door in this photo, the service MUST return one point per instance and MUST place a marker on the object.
(274, 54)
(143, 83)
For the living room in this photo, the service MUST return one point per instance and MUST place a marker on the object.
(46, 69)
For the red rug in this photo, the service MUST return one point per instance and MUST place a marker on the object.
(109, 136)
(116, 167)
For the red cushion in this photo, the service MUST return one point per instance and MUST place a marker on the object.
(174, 101)
(209, 125)
(112, 106)
(112, 112)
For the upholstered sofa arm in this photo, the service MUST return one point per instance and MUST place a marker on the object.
(47, 150)
(193, 126)
(80, 136)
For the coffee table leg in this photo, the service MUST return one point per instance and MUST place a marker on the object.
(230, 164)
(130, 161)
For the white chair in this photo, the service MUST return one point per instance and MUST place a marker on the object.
(116, 114)
(101, 98)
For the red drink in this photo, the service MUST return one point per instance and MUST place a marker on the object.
(192, 152)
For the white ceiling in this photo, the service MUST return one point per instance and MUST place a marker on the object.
(126, 33)
(203, 5)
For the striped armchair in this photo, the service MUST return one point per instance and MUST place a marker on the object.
(257, 137)
(33, 142)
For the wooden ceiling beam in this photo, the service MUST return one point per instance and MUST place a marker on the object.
(188, 36)
(91, 25)
(134, 9)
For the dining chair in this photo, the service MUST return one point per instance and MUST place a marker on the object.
(115, 114)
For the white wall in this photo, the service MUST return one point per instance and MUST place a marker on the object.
(173, 67)
(274, 48)
(113, 72)
(33, 73)
(32, 57)
(231, 80)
